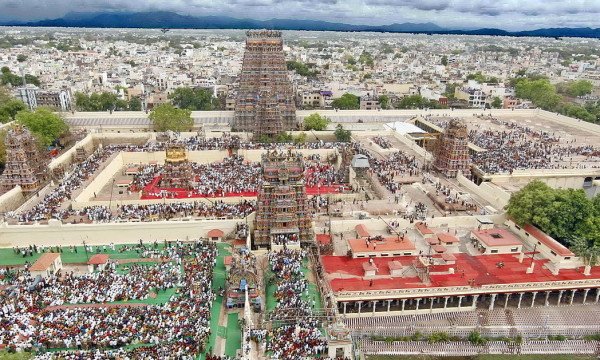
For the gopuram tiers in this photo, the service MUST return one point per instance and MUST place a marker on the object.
(282, 216)
(24, 163)
(265, 98)
(451, 151)
(177, 172)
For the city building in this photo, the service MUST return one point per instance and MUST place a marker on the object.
(265, 99)
(33, 97)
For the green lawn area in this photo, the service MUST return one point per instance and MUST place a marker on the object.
(481, 357)
(8, 256)
(16, 356)
(218, 281)
(234, 335)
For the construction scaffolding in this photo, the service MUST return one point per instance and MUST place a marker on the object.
(282, 215)
(24, 163)
(451, 150)
(265, 98)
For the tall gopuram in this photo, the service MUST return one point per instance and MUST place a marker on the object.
(24, 163)
(282, 215)
(265, 99)
(177, 172)
(451, 151)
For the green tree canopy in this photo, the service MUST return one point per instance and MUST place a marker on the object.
(384, 102)
(481, 78)
(341, 134)
(21, 58)
(8, 78)
(135, 104)
(44, 124)
(9, 108)
(575, 88)
(193, 99)
(301, 68)
(444, 60)
(346, 102)
(496, 102)
(417, 102)
(561, 213)
(316, 122)
(105, 101)
(166, 117)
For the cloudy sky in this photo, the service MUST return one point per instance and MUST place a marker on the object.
(504, 14)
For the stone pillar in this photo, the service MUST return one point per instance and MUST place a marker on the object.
(418, 301)
(572, 296)
(374, 303)
(345, 304)
(492, 301)
(403, 303)
(359, 306)
(547, 296)
(389, 303)
(559, 296)
(431, 305)
(585, 295)
(445, 301)
(475, 297)
(520, 298)
(506, 300)
(597, 295)
(459, 301)
(533, 298)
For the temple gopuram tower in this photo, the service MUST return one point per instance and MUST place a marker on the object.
(177, 172)
(282, 215)
(265, 99)
(24, 163)
(451, 151)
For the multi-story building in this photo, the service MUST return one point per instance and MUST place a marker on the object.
(282, 215)
(33, 97)
(265, 99)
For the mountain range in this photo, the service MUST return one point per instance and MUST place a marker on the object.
(172, 20)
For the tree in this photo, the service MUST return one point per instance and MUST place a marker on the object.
(300, 139)
(193, 99)
(10, 108)
(44, 124)
(341, 134)
(21, 58)
(366, 59)
(575, 88)
(284, 137)
(166, 117)
(496, 102)
(450, 90)
(444, 60)
(346, 102)
(561, 213)
(384, 102)
(316, 122)
(475, 338)
(135, 104)
(301, 68)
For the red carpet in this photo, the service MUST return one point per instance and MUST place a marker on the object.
(152, 191)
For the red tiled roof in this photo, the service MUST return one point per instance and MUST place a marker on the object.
(548, 241)
(389, 244)
(361, 230)
(447, 238)
(124, 182)
(44, 262)
(324, 239)
(439, 248)
(448, 257)
(98, 259)
(215, 233)
(432, 241)
(423, 229)
(497, 237)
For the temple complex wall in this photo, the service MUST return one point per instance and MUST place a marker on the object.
(12, 199)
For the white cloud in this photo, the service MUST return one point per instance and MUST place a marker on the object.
(506, 14)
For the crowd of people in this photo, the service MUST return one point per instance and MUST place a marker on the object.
(382, 142)
(520, 147)
(176, 329)
(298, 335)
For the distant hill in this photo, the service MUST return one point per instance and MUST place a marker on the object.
(172, 20)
